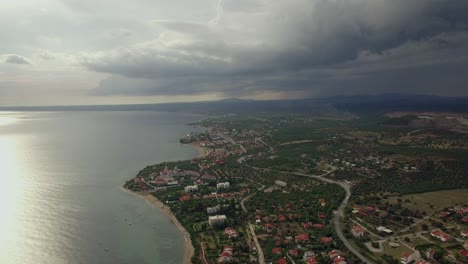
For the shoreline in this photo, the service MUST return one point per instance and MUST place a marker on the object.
(202, 151)
(189, 249)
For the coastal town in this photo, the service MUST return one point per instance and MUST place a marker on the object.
(304, 189)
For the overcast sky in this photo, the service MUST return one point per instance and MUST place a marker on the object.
(141, 51)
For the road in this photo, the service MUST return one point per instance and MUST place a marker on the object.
(261, 257)
(339, 212)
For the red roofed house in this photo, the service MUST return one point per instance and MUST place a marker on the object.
(326, 240)
(339, 260)
(277, 251)
(363, 213)
(443, 214)
(282, 261)
(464, 234)
(185, 198)
(293, 252)
(322, 202)
(357, 231)
(302, 238)
(370, 208)
(334, 253)
(463, 253)
(406, 257)
(319, 226)
(231, 232)
(322, 215)
(226, 255)
(440, 235)
(312, 261)
(307, 225)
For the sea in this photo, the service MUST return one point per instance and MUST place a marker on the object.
(60, 187)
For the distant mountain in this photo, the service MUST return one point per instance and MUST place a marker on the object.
(363, 104)
(398, 102)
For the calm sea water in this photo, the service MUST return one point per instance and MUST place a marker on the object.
(60, 196)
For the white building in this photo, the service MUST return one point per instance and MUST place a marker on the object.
(213, 210)
(280, 183)
(191, 188)
(223, 185)
(217, 220)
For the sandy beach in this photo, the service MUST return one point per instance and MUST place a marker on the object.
(202, 151)
(189, 249)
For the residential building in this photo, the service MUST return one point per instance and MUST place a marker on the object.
(357, 231)
(191, 188)
(281, 183)
(442, 236)
(213, 210)
(222, 185)
(217, 220)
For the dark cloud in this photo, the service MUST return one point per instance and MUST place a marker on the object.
(15, 59)
(313, 47)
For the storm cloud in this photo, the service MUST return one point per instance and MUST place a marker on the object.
(315, 47)
(145, 51)
(15, 59)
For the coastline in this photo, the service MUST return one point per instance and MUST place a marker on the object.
(189, 249)
(201, 150)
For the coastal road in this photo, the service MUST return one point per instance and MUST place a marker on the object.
(339, 212)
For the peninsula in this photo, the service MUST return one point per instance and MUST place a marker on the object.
(303, 188)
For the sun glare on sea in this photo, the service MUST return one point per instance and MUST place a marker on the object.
(9, 190)
(6, 120)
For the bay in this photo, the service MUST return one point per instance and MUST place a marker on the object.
(60, 196)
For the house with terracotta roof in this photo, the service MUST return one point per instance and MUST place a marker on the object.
(444, 214)
(463, 254)
(326, 240)
(318, 226)
(339, 260)
(312, 261)
(464, 233)
(282, 261)
(357, 231)
(231, 232)
(302, 238)
(442, 236)
(323, 202)
(293, 252)
(334, 253)
(407, 257)
(277, 251)
(226, 255)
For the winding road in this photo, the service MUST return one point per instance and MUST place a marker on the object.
(339, 213)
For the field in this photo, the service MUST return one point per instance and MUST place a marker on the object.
(432, 202)
(395, 252)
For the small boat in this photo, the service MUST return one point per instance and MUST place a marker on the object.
(99, 243)
(106, 249)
